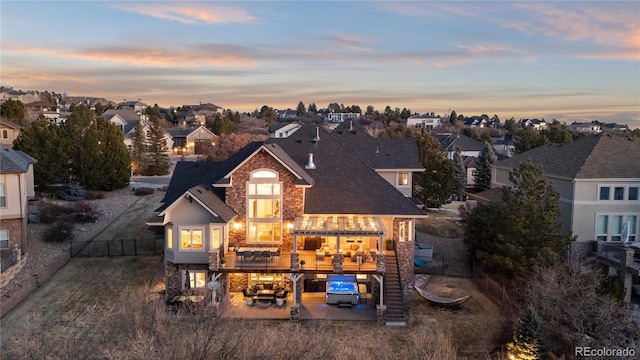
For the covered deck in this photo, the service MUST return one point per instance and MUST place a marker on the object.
(281, 262)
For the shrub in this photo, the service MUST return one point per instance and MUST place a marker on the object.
(59, 232)
(50, 212)
(144, 191)
(72, 192)
(83, 212)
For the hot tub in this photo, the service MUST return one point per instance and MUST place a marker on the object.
(342, 289)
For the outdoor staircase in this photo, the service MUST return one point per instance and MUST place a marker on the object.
(393, 292)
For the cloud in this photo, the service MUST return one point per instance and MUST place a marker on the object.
(189, 12)
(614, 27)
(347, 42)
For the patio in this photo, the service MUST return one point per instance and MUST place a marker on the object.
(282, 262)
(314, 306)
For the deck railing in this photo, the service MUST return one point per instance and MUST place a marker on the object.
(312, 262)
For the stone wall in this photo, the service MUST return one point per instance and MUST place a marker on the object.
(173, 273)
(292, 198)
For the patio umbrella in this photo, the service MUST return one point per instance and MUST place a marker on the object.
(187, 280)
(625, 234)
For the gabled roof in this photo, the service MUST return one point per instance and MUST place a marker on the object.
(14, 161)
(178, 133)
(222, 213)
(379, 154)
(470, 162)
(599, 156)
(125, 113)
(451, 142)
(10, 124)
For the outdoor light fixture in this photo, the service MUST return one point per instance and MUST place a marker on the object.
(237, 225)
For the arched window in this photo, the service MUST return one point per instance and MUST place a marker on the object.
(264, 210)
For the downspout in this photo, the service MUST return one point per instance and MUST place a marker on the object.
(22, 215)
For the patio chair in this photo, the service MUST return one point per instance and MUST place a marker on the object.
(266, 255)
(247, 257)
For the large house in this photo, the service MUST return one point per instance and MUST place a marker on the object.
(424, 121)
(126, 120)
(598, 178)
(185, 140)
(16, 188)
(291, 213)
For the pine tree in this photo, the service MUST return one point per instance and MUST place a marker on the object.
(301, 109)
(114, 160)
(528, 335)
(159, 159)
(435, 184)
(486, 159)
(460, 173)
(139, 149)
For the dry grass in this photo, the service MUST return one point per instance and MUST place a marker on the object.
(105, 308)
(441, 223)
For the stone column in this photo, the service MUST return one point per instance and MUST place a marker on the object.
(295, 262)
(381, 313)
(17, 254)
(625, 276)
(214, 259)
(338, 259)
(380, 263)
(294, 312)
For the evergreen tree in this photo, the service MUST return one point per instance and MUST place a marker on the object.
(13, 110)
(114, 160)
(159, 159)
(486, 159)
(528, 337)
(42, 141)
(512, 236)
(139, 149)
(453, 117)
(301, 109)
(527, 139)
(459, 174)
(471, 133)
(313, 108)
(435, 185)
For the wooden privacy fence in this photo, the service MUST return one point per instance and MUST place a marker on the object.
(40, 276)
(122, 247)
(500, 293)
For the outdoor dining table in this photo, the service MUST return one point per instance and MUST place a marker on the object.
(265, 294)
(272, 250)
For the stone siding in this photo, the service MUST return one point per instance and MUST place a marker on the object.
(292, 198)
(173, 273)
(404, 254)
(17, 233)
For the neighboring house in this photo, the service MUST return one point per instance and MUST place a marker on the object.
(185, 140)
(536, 124)
(598, 178)
(136, 105)
(316, 196)
(586, 128)
(286, 114)
(470, 164)
(189, 118)
(424, 121)
(480, 122)
(16, 188)
(283, 130)
(504, 148)
(341, 117)
(9, 131)
(25, 97)
(452, 142)
(128, 125)
(615, 127)
(90, 102)
(57, 116)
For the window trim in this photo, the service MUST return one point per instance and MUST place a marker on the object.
(609, 226)
(626, 193)
(8, 239)
(398, 179)
(264, 176)
(193, 279)
(191, 228)
(3, 195)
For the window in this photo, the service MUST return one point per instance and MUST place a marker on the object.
(410, 230)
(194, 279)
(633, 193)
(264, 207)
(403, 179)
(401, 231)
(191, 239)
(5, 134)
(4, 239)
(215, 238)
(3, 196)
(609, 227)
(604, 193)
(169, 238)
(618, 193)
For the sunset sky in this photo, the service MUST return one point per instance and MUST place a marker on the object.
(564, 60)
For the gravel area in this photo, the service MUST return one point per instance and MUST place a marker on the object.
(40, 253)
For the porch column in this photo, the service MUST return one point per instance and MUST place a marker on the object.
(294, 312)
(295, 243)
(338, 244)
(214, 259)
(214, 286)
(625, 276)
(380, 249)
(381, 309)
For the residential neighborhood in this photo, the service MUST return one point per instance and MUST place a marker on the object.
(319, 216)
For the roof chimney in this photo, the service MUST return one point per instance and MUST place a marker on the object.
(310, 165)
(317, 138)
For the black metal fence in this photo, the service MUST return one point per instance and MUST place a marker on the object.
(122, 247)
(446, 266)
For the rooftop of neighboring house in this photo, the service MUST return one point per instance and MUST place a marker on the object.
(10, 124)
(125, 113)
(598, 156)
(425, 116)
(451, 142)
(176, 133)
(338, 174)
(14, 161)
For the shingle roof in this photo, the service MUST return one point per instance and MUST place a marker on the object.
(10, 124)
(180, 132)
(210, 199)
(599, 156)
(451, 142)
(125, 113)
(344, 184)
(14, 161)
(378, 153)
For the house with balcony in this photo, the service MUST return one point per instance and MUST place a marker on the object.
(598, 179)
(291, 214)
(424, 121)
(16, 188)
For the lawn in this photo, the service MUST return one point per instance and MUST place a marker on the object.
(441, 223)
